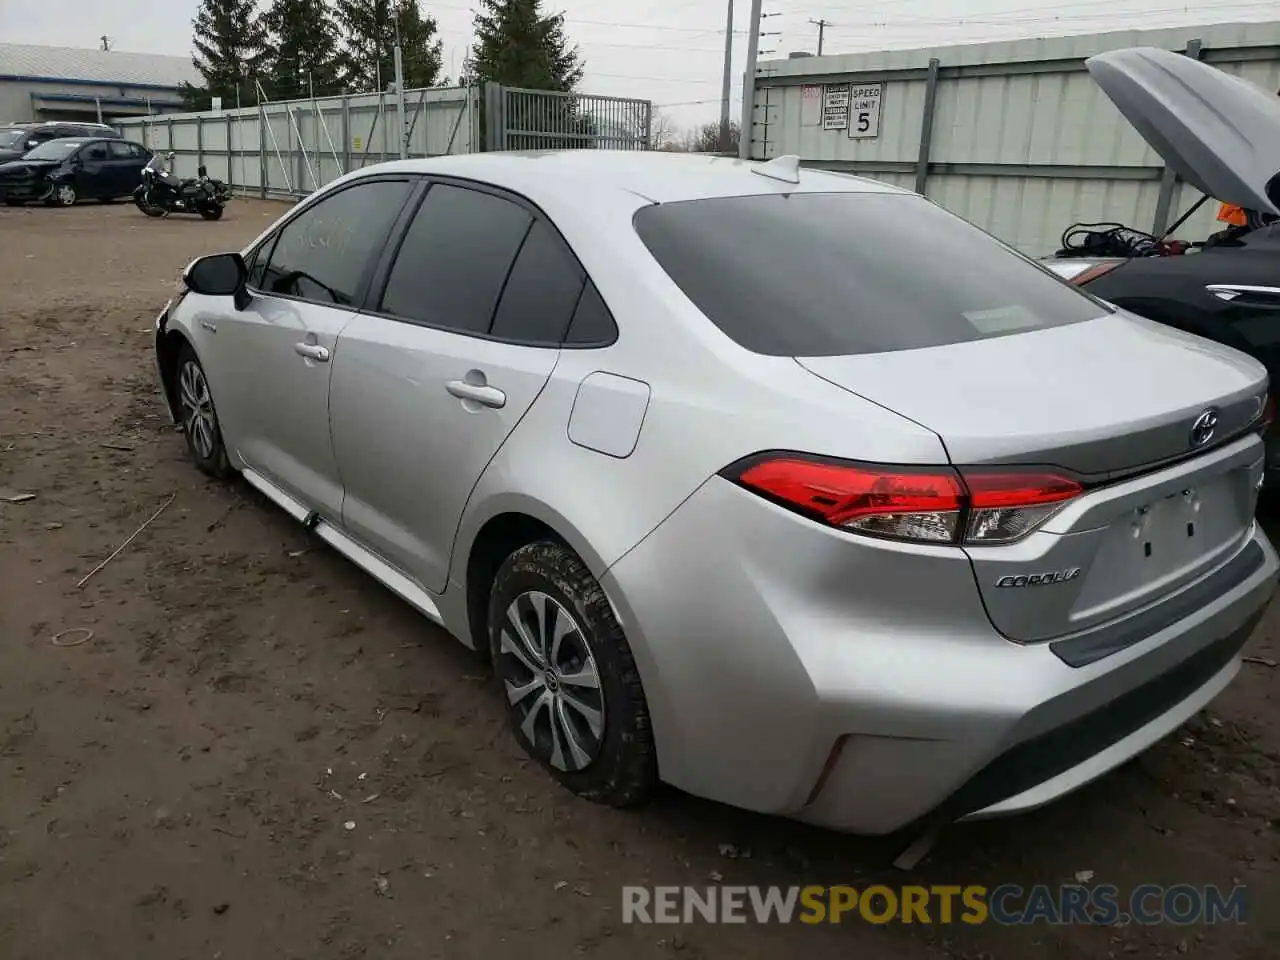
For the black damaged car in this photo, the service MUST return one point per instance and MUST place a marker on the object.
(62, 172)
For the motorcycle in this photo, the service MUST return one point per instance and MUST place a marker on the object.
(161, 193)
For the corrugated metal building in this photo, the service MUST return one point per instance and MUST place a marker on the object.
(67, 83)
(1013, 136)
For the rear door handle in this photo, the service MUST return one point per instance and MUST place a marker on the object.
(1246, 293)
(485, 395)
(312, 351)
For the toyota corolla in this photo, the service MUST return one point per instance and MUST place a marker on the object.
(784, 487)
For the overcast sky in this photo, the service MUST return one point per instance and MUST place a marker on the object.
(670, 51)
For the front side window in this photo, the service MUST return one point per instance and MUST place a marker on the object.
(810, 274)
(455, 259)
(120, 150)
(325, 252)
(96, 151)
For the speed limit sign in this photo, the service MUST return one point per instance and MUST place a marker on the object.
(864, 110)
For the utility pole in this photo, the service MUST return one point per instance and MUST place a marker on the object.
(749, 80)
(728, 75)
(822, 29)
(106, 42)
(399, 66)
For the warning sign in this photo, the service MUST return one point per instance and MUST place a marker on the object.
(810, 105)
(835, 107)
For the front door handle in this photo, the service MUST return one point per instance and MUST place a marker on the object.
(484, 395)
(312, 351)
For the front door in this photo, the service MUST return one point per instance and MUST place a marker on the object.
(96, 174)
(283, 344)
(429, 384)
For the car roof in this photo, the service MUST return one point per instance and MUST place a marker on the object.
(656, 176)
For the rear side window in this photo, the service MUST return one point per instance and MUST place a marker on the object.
(542, 290)
(592, 324)
(849, 273)
(324, 252)
(455, 259)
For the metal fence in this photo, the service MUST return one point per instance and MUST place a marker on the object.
(1013, 136)
(290, 148)
(519, 119)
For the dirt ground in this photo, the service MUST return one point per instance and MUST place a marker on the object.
(262, 754)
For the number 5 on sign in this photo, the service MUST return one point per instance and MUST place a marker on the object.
(864, 110)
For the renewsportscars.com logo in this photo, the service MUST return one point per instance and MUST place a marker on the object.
(1009, 904)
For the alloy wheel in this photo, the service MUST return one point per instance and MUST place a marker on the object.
(552, 682)
(67, 195)
(198, 418)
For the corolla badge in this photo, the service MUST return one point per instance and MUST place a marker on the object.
(1202, 430)
(1040, 579)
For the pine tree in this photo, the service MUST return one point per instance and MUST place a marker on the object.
(518, 46)
(229, 43)
(301, 49)
(369, 27)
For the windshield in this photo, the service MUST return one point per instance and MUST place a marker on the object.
(816, 274)
(54, 150)
(11, 138)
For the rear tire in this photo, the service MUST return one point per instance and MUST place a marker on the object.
(199, 417)
(574, 696)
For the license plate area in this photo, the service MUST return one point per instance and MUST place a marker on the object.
(1166, 541)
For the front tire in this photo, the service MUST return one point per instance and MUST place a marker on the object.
(573, 692)
(211, 211)
(143, 202)
(63, 195)
(200, 423)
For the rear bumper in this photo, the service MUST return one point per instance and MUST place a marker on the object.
(800, 671)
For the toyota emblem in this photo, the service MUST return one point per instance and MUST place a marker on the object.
(1202, 430)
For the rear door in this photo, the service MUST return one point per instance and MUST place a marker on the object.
(428, 385)
(123, 165)
(273, 359)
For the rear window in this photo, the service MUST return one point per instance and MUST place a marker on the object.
(834, 274)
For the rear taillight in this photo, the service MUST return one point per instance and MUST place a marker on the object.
(1267, 419)
(922, 504)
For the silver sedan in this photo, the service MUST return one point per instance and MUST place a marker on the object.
(784, 487)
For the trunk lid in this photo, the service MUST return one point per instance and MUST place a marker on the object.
(1113, 401)
(1220, 133)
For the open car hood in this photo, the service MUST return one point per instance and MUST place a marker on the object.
(1221, 134)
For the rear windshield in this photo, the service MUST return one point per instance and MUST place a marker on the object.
(845, 273)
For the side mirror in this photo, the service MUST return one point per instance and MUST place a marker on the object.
(219, 275)
(32, 144)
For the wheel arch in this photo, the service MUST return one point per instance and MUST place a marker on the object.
(169, 344)
(486, 539)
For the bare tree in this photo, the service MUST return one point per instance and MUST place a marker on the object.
(663, 133)
(705, 138)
